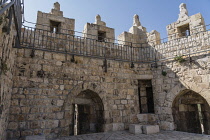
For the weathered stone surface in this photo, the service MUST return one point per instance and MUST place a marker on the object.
(7, 64)
(150, 129)
(117, 126)
(135, 128)
(147, 118)
(35, 138)
(163, 135)
(183, 12)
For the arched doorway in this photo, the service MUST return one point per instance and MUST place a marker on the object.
(191, 113)
(88, 113)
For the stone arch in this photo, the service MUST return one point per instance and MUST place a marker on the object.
(183, 87)
(90, 112)
(90, 91)
(191, 112)
(180, 88)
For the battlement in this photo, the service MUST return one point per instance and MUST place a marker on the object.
(99, 31)
(54, 21)
(137, 34)
(98, 40)
(185, 25)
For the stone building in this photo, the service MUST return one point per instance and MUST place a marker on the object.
(57, 84)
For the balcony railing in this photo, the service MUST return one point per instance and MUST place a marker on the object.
(39, 39)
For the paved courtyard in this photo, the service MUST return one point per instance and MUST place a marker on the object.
(125, 135)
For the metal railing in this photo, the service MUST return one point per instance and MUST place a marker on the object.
(45, 40)
(39, 39)
(15, 10)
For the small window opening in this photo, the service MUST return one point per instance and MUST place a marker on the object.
(146, 101)
(184, 30)
(101, 36)
(55, 26)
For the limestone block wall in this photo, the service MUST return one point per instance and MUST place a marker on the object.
(173, 78)
(196, 42)
(45, 85)
(6, 72)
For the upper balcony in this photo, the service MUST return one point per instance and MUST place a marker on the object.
(148, 52)
(188, 36)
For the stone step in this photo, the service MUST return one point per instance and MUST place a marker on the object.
(135, 129)
(145, 129)
(35, 138)
(150, 129)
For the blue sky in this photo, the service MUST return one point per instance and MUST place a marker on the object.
(118, 14)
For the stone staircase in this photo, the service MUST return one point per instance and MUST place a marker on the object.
(147, 125)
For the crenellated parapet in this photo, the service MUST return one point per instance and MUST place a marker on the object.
(138, 35)
(153, 38)
(185, 25)
(54, 21)
(99, 31)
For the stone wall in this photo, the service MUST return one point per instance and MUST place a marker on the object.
(46, 81)
(6, 72)
(195, 43)
(46, 84)
(173, 78)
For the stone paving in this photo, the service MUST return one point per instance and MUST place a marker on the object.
(125, 135)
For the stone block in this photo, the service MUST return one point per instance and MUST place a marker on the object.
(124, 101)
(150, 129)
(60, 102)
(164, 125)
(148, 118)
(118, 126)
(13, 126)
(108, 127)
(35, 138)
(135, 128)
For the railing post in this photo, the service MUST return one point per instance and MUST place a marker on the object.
(105, 60)
(132, 64)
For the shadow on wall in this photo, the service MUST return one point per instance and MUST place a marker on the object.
(182, 89)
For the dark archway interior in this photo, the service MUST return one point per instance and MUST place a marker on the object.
(90, 117)
(191, 113)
